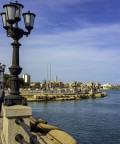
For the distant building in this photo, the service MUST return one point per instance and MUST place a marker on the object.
(56, 78)
(106, 86)
(26, 78)
(59, 85)
(35, 84)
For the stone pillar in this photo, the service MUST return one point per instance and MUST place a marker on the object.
(10, 128)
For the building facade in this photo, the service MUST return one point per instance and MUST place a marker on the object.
(26, 78)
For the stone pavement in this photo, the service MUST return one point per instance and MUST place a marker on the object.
(1, 126)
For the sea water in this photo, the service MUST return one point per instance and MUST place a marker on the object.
(89, 121)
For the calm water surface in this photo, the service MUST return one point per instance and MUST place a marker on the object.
(93, 121)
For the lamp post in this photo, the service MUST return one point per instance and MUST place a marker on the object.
(2, 69)
(11, 17)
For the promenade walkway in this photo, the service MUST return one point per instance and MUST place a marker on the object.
(1, 126)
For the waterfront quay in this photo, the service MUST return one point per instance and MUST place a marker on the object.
(47, 96)
(18, 126)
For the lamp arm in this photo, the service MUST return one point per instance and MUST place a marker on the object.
(27, 33)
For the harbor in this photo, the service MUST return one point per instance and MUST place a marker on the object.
(38, 95)
(45, 133)
(96, 119)
(89, 121)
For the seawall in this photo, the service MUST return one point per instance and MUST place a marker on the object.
(61, 96)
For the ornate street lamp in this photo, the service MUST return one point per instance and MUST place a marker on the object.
(10, 18)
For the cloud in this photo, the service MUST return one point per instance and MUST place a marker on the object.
(85, 54)
(92, 37)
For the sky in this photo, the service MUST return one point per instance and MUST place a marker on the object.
(80, 39)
